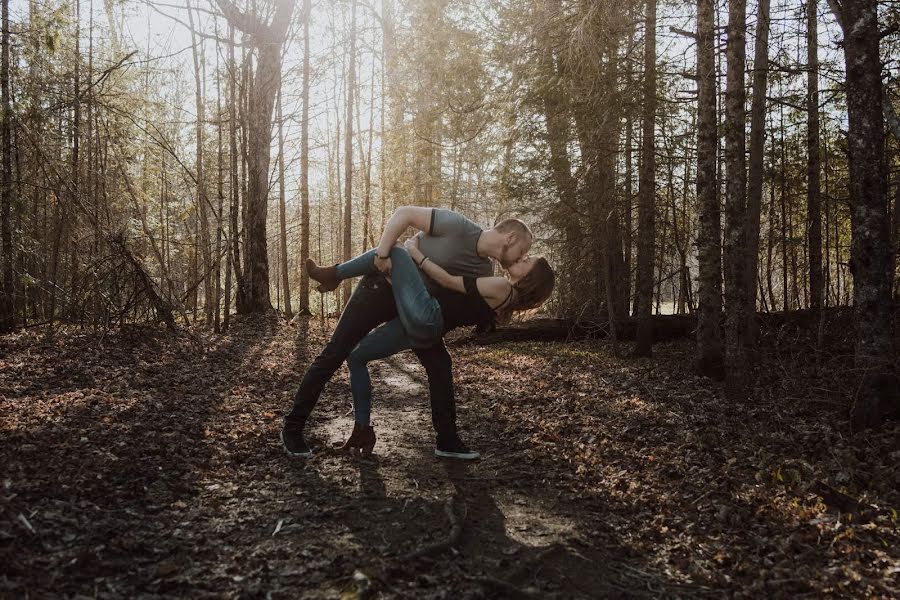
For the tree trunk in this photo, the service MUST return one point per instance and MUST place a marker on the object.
(813, 169)
(282, 213)
(755, 171)
(556, 118)
(870, 256)
(202, 197)
(220, 195)
(709, 248)
(268, 40)
(348, 150)
(304, 167)
(737, 370)
(7, 305)
(647, 192)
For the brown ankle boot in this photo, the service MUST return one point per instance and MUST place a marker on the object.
(362, 439)
(326, 276)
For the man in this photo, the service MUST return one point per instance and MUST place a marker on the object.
(456, 244)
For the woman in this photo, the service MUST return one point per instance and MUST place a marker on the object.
(423, 318)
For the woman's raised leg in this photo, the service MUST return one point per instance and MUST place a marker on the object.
(330, 277)
(418, 310)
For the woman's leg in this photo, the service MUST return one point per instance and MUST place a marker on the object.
(385, 341)
(356, 267)
(419, 311)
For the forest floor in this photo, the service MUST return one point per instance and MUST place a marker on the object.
(138, 464)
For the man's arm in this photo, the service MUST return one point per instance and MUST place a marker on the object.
(403, 218)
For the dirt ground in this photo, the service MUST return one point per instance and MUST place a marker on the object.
(137, 464)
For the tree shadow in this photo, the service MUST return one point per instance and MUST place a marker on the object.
(116, 444)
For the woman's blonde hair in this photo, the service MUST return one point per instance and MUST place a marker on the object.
(531, 291)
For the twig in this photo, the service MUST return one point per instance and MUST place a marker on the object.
(507, 590)
(456, 527)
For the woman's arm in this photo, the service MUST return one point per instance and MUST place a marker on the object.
(430, 268)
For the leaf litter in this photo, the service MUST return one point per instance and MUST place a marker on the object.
(140, 464)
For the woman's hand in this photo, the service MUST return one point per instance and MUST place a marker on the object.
(412, 247)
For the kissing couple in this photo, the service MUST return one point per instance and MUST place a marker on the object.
(409, 296)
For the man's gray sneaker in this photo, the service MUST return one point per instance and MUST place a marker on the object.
(453, 447)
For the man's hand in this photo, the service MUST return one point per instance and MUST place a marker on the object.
(383, 264)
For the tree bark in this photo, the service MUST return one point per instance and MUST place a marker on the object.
(709, 248)
(7, 305)
(813, 165)
(556, 118)
(870, 256)
(268, 40)
(202, 197)
(737, 371)
(348, 151)
(304, 166)
(647, 192)
(755, 170)
(282, 213)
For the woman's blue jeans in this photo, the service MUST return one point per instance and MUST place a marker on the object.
(420, 323)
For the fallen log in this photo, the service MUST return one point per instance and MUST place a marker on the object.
(665, 327)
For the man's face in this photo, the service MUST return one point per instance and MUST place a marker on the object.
(516, 247)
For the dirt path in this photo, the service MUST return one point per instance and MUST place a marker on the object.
(141, 466)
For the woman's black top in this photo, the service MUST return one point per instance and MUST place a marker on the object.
(470, 308)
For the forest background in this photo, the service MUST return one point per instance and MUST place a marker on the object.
(180, 162)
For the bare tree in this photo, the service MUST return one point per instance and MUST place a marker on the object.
(710, 360)
(282, 216)
(870, 255)
(304, 165)
(813, 168)
(202, 197)
(348, 149)
(643, 287)
(737, 372)
(7, 305)
(268, 39)
(757, 156)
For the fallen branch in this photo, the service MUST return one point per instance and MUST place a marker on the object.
(456, 528)
(665, 327)
(843, 502)
(507, 590)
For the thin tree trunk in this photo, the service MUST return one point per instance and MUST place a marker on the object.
(709, 249)
(737, 368)
(348, 150)
(233, 256)
(813, 196)
(304, 167)
(755, 169)
(220, 192)
(647, 192)
(782, 185)
(202, 198)
(7, 305)
(282, 213)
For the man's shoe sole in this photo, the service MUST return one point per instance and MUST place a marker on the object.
(458, 455)
(306, 454)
